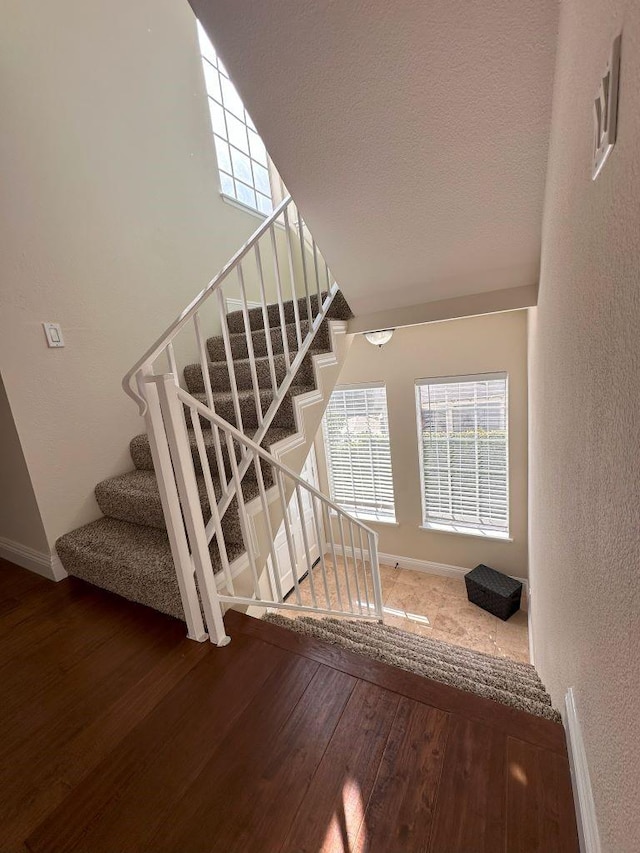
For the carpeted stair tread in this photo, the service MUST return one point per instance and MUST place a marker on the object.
(240, 350)
(284, 417)
(135, 497)
(219, 374)
(141, 451)
(338, 310)
(515, 684)
(130, 560)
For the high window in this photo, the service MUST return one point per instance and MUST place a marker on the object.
(356, 437)
(242, 157)
(463, 429)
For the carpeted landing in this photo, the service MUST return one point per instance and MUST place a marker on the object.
(515, 684)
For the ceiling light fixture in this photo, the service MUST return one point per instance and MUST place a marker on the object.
(379, 339)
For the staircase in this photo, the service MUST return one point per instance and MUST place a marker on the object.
(190, 530)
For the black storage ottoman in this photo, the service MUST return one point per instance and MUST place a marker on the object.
(497, 593)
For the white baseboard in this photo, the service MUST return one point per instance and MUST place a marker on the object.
(47, 565)
(581, 781)
(427, 566)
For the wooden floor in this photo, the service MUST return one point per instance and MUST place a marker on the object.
(117, 734)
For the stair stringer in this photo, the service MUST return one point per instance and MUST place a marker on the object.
(292, 451)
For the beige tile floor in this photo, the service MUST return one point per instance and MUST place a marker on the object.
(436, 606)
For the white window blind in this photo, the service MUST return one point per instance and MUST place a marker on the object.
(356, 438)
(463, 428)
(242, 157)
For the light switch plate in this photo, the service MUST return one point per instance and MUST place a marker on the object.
(605, 111)
(53, 333)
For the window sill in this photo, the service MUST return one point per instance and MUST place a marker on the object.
(471, 532)
(242, 206)
(367, 519)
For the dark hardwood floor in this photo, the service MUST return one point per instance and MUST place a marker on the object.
(118, 734)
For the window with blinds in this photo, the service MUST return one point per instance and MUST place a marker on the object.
(356, 439)
(463, 428)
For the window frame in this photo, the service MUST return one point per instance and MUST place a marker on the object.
(453, 526)
(361, 516)
(218, 69)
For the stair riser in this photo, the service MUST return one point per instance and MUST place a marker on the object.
(100, 570)
(283, 419)
(235, 320)
(141, 455)
(220, 381)
(259, 339)
(147, 510)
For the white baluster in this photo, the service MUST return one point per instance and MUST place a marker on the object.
(281, 312)
(204, 364)
(375, 572)
(252, 360)
(287, 529)
(267, 516)
(364, 571)
(355, 566)
(315, 264)
(173, 367)
(229, 356)
(213, 501)
(329, 529)
(320, 548)
(305, 541)
(304, 271)
(265, 320)
(346, 564)
(292, 274)
(242, 515)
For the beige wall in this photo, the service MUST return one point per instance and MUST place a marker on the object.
(20, 520)
(111, 223)
(585, 405)
(496, 342)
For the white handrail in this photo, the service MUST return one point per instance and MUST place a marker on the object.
(167, 336)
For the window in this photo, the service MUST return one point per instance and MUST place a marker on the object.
(356, 438)
(463, 425)
(242, 157)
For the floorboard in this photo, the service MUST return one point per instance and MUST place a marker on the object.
(539, 801)
(399, 814)
(120, 735)
(470, 806)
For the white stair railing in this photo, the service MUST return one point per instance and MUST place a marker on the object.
(299, 277)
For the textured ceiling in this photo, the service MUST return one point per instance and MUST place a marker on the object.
(412, 134)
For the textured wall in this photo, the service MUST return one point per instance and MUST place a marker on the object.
(585, 416)
(497, 342)
(112, 221)
(19, 515)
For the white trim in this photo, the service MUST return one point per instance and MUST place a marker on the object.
(234, 202)
(582, 793)
(473, 533)
(47, 565)
(473, 377)
(234, 305)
